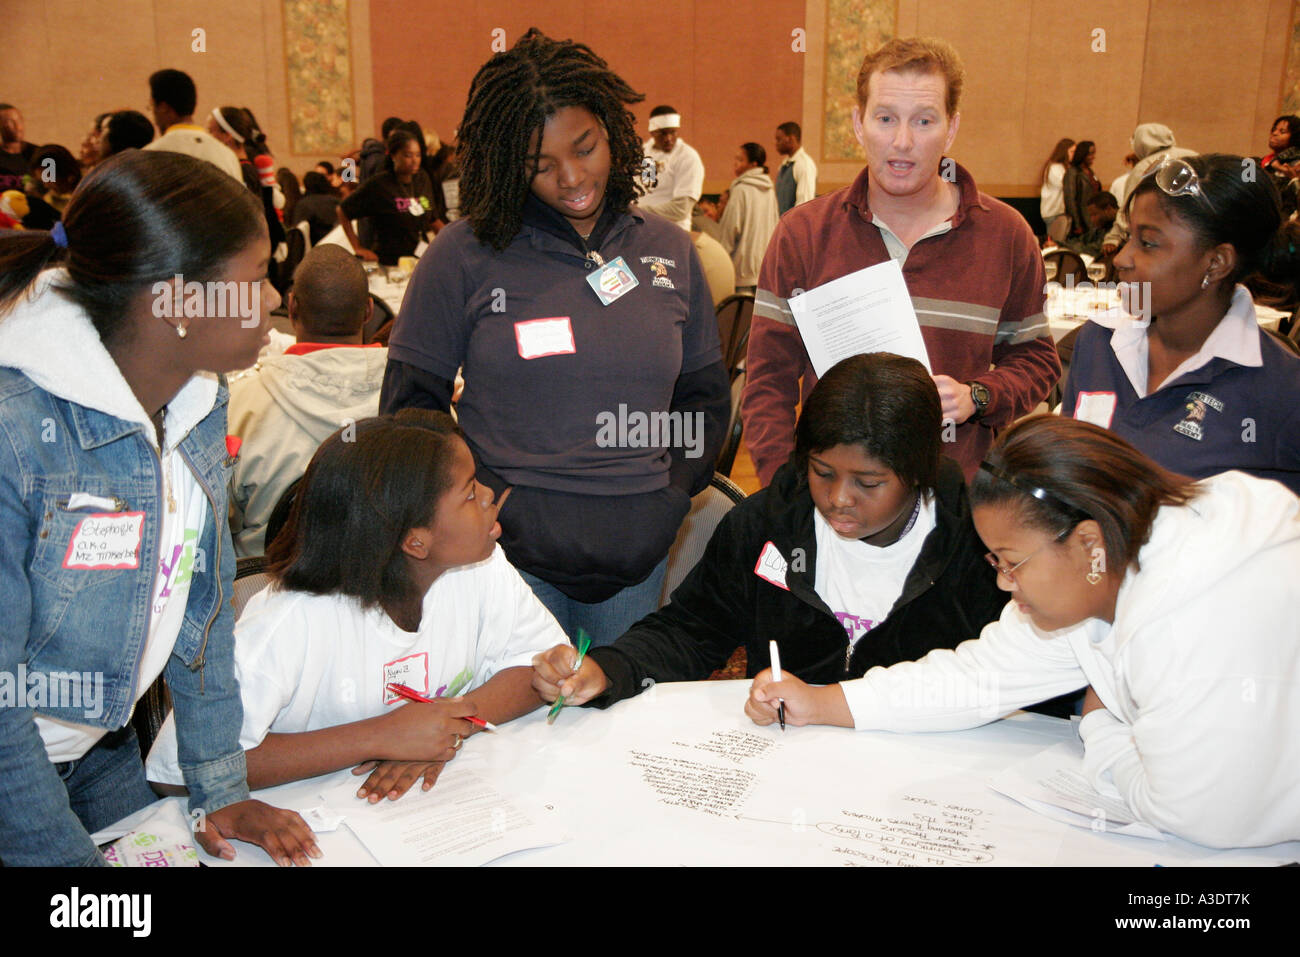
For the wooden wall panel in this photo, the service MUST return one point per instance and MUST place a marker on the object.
(1214, 72)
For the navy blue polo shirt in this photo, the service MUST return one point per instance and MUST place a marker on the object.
(1223, 415)
(543, 358)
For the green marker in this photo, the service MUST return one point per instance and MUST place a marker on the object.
(584, 642)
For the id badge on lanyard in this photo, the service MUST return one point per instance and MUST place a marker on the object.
(611, 279)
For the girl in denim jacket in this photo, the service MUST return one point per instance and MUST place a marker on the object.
(116, 564)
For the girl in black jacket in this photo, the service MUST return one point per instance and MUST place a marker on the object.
(860, 553)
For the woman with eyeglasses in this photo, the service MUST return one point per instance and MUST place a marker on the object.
(1172, 600)
(1184, 371)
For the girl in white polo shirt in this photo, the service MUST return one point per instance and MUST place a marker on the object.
(387, 572)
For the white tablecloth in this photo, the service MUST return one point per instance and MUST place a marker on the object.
(390, 286)
(582, 770)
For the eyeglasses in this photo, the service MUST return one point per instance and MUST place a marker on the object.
(1009, 571)
(1175, 177)
(1071, 514)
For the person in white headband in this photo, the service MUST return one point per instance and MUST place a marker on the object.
(674, 173)
(225, 125)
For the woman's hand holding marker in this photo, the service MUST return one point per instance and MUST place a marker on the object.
(804, 703)
(775, 654)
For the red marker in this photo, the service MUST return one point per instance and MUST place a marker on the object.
(412, 695)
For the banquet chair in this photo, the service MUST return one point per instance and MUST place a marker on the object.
(1068, 263)
(297, 242)
(280, 514)
(735, 427)
(250, 578)
(382, 316)
(707, 510)
(735, 313)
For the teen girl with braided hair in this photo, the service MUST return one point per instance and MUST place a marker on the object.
(593, 378)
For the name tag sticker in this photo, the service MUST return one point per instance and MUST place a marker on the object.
(106, 540)
(1095, 407)
(545, 337)
(412, 671)
(612, 280)
(771, 566)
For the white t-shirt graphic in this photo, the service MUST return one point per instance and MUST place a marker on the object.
(861, 582)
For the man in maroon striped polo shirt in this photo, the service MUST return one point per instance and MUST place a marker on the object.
(971, 263)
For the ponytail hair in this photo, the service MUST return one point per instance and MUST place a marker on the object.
(138, 218)
(246, 130)
(24, 253)
(1277, 275)
(755, 153)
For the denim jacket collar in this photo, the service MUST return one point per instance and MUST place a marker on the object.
(51, 340)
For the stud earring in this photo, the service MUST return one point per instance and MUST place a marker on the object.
(1205, 282)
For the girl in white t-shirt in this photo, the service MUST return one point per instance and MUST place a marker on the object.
(387, 572)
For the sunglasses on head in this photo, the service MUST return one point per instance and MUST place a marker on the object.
(1175, 177)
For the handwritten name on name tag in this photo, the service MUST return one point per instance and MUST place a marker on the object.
(772, 566)
(545, 337)
(1095, 407)
(106, 540)
(412, 671)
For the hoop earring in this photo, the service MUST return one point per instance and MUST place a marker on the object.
(1098, 565)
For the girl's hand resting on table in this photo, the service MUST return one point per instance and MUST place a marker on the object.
(394, 778)
(553, 676)
(284, 835)
(804, 703)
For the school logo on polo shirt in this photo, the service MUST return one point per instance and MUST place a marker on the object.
(1198, 404)
(659, 267)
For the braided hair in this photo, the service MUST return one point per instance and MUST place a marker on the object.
(511, 98)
